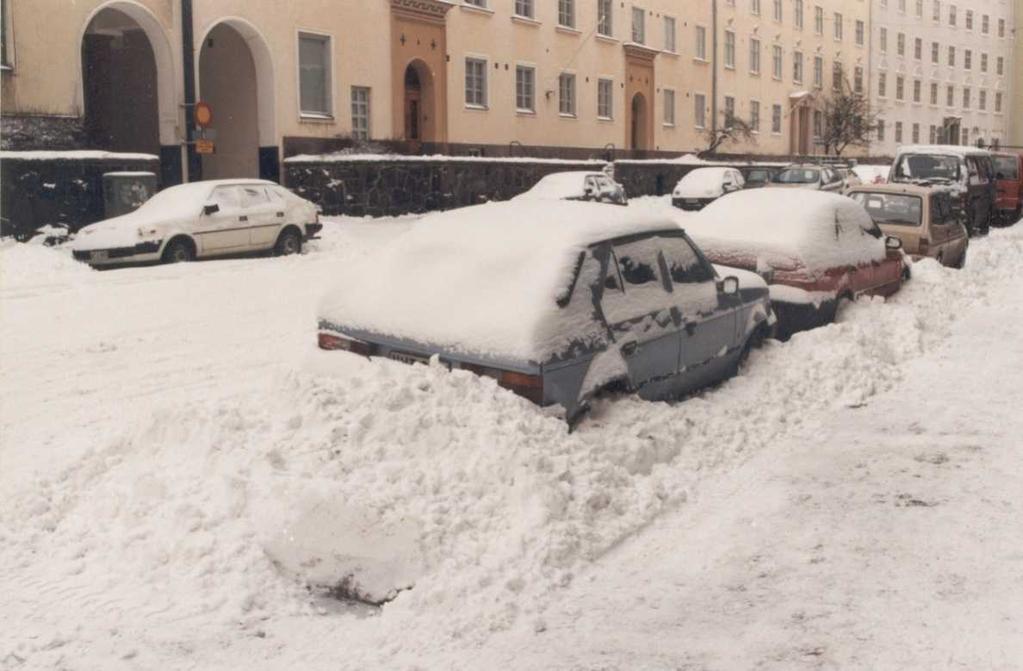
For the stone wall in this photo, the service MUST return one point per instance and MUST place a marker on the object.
(391, 186)
(59, 189)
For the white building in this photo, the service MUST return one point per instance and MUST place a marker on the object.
(943, 71)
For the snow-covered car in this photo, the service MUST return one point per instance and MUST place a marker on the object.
(703, 186)
(758, 176)
(811, 176)
(579, 185)
(555, 300)
(814, 250)
(922, 217)
(202, 220)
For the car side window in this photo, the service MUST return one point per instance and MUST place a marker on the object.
(974, 172)
(633, 286)
(684, 266)
(274, 195)
(253, 196)
(227, 198)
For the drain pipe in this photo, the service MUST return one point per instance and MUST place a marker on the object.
(194, 167)
(714, 68)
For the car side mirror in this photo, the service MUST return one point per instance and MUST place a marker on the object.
(891, 242)
(212, 208)
(730, 286)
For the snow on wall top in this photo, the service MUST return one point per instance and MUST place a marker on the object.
(75, 155)
(369, 158)
(482, 280)
(942, 149)
(785, 227)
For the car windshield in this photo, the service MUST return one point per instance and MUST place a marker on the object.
(927, 167)
(890, 208)
(798, 176)
(1007, 166)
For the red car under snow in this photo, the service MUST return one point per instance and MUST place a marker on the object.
(1009, 186)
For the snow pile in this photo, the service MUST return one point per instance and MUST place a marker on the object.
(557, 186)
(31, 265)
(74, 155)
(481, 280)
(781, 228)
(702, 183)
(872, 174)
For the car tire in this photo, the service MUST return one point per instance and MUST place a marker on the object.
(288, 242)
(179, 250)
(961, 263)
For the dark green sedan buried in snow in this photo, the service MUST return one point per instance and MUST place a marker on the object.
(557, 301)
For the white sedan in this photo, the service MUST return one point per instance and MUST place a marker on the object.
(202, 220)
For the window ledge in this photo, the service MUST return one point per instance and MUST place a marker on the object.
(315, 117)
(563, 115)
(477, 108)
(568, 30)
(701, 61)
(671, 54)
(605, 119)
(668, 125)
(527, 113)
(473, 9)
(607, 38)
(525, 20)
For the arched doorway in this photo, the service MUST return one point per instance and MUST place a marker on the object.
(637, 133)
(236, 79)
(419, 103)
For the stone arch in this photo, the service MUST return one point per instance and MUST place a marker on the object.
(420, 102)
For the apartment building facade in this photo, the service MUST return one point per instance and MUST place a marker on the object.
(1016, 107)
(945, 71)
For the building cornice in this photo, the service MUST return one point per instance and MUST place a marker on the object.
(426, 11)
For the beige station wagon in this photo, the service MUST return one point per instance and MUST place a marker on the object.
(922, 217)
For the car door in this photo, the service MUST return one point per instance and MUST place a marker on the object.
(708, 317)
(264, 216)
(636, 306)
(226, 230)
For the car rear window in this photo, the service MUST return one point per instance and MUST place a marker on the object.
(640, 290)
(891, 208)
(1008, 166)
(684, 266)
(798, 176)
(927, 166)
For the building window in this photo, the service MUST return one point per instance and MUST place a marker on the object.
(700, 110)
(968, 59)
(950, 97)
(1000, 66)
(525, 88)
(838, 26)
(754, 56)
(951, 57)
(858, 79)
(729, 111)
(900, 44)
(898, 131)
(880, 130)
(818, 71)
(776, 119)
(951, 15)
(525, 8)
(998, 101)
(1001, 27)
(917, 91)
(639, 25)
(818, 20)
(475, 82)
(934, 93)
(776, 63)
(669, 107)
(883, 40)
(566, 13)
(477, 3)
(969, 19)
(918, 49)
(900, 87)
(916, 133)
(360, 112)
(860, 30)
(754, 7)
(605, 24)
(701, 43)
(937, 10)
(605, 98)
(837, 76)
(4, 56)
(669, 34)
(729, 49)
(983, 62)
(985, 24)
(314, 75)
(882, 85)
(754, 116)
(982, 100)
(777, 10)
(797, 67)
(919, 8)
(818, 124)
(933, 134)
(934, 52)
(966, 98)
(799, 14)
(566, 94)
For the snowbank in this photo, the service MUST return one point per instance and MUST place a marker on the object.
(481, 280)
(75, 155)
(784, 228)
(24, 265)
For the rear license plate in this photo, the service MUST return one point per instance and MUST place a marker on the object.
(405, 357)
(99, 256)
(692, 202)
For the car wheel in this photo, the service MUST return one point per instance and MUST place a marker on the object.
(755, 339)
(289, 242)
(961, 263)
(179, 251)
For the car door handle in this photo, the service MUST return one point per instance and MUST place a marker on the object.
(243, 218)
(629, 348)
(280, 214)
(690, 328)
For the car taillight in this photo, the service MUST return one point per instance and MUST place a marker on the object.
(329, 341)
(528, 386)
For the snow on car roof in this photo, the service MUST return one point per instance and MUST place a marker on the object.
(942, 149)
(558, 185)
(482, 280)
(187, 199)
(780, 227)
(705, 178)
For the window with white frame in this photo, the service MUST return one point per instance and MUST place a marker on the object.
(566, 94)
(605, 98)
(669, 107)
(1001, 27)
(969, 19)
(935, 56)
(982, 100)
(729, 111)
(701, 43)
(639, 25)
(937, 10)
(882, 85)
(314, 75)
(882, 40)
(1000, 66)
(900, 44)
(700, 110)
(952, 15)
(669, 34)
(916, 133)
(754, 56)
(799, 14)
(818, 124)
(754, 115)
(860, 32)
(475, 82)
(951, 57)
(985, 24)
(968, 59)
(360, 112)
(777, 10)
(917, 91)
(983, 61)
(605, 19)
(880, 130)
(998, 101)
(566, 13)
(776, 119)
(918, 49)
(836, 76)
(730, 49)
(797, 67)
(950, 96)
(818, 71)
(477, 3)
(838, 26)
(754, 7)
(934, 93)
(900, 87)
(525, 88)
(525, 9)
(776, 62)
(818, 20)
(858, 79)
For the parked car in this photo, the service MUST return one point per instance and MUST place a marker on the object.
(872, 174)
(705, 185)
(922, 217)
(589, 186)
(202, 220)
(968, 171)
(758, 176)
(808, 176)
(556, 301)
(849, 178)
(1009, 186)
(814, 250)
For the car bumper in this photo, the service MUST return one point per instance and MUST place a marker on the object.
(311, 230)
(143, 252)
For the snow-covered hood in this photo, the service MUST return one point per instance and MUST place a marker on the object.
(697, 191)
(123, 231)
(747, 278)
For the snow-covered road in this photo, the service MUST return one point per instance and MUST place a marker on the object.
(849, 501)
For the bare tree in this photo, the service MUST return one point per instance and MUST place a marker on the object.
(733, 129)
(848, 120)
